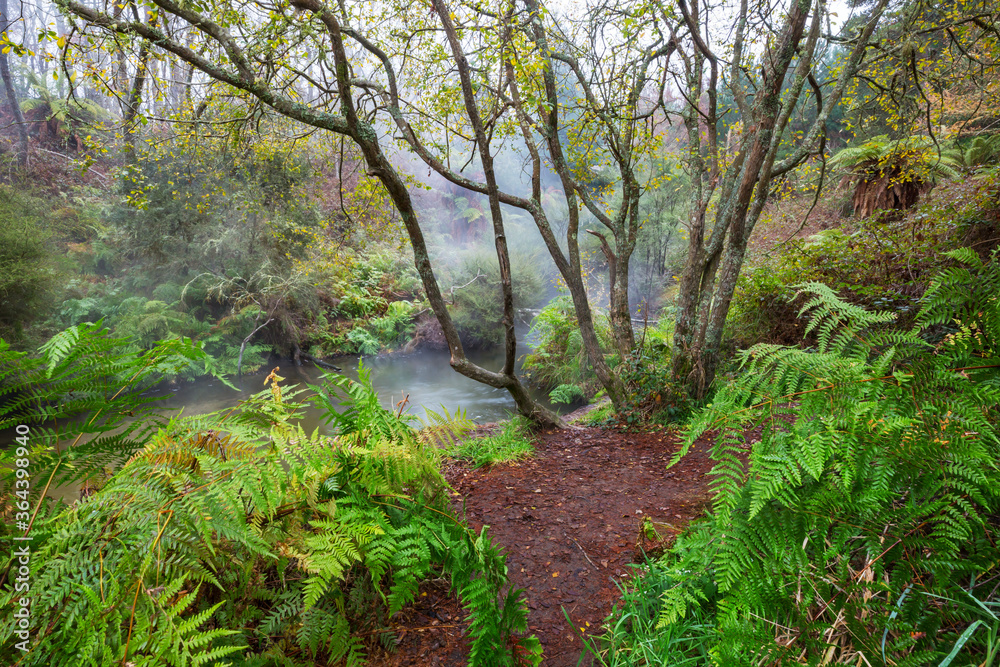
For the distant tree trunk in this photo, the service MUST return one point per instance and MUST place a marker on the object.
(618, 312)
(8, 84)
(134, 100)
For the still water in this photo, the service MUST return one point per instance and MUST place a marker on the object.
(425, 378)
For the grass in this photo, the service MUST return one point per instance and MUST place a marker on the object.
(599, 416)
(632, 636)
(512, 443)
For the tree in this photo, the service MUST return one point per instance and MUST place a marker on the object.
(731, 187)
(577, 91)
(8, 84)
(259, 54)
(892, 175)
(568, 108)
(622, 91)
(934, 70)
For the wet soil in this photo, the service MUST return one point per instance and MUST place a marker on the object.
(571, 521)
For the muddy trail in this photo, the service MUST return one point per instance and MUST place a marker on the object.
(571, 521)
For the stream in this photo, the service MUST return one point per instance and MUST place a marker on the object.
(426, 378)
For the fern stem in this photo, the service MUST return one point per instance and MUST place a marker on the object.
(131, 619)
(391, 495)
(41, 498)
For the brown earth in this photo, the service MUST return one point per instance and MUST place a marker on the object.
(570, 521)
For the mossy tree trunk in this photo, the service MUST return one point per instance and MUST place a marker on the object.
(729, 191)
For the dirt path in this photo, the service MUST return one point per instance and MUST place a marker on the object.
(569, 519)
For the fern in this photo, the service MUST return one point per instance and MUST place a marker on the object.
(364, 342)
(85, 370)
(237, 537)
(566, 393)
(875, 474)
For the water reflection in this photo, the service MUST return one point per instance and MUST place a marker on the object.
(426, 378)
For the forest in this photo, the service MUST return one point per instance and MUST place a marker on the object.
(529, 332)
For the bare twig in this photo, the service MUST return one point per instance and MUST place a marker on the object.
(104, 179)
(584, 553)
(239, 362)
(451, 292)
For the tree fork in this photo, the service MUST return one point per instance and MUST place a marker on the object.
(346, 123)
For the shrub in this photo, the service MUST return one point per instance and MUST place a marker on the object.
(25, 277)
(396, 325)
(879, 262)
(358, 302)
(477, 309)
(148, 321)
(558, 357)
(653, 392)
(225, 351)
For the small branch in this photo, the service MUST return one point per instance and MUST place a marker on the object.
(451, 292)
(585, 554)
(319, 362)
(239, 362)
(104, 179)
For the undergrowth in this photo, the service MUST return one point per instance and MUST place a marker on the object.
(885, 261)
(512, 442)
(599, 416)
(860, 528)
(234, 538)
(633, 635)
(558, 361)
